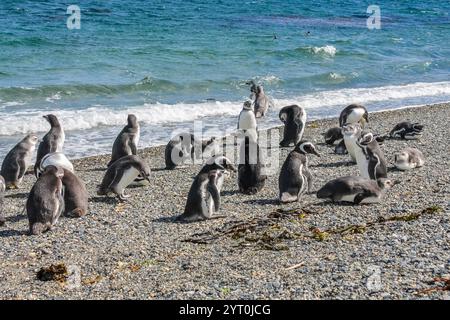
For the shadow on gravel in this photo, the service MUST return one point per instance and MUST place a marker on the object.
(22, 195)
(166, 219)
(12, 233)
(97, 169)
(229, 192)
(263, 202)
(16, 218)
(332, 165)
(109, 200)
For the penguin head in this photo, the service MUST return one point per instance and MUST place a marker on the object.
(52, 119)
(386, 184)
(132, 120)
(32, 139)
(306, 147)
(366, 138)
(54, 170)
(260, 89)
(248, 105)
(219, 162)
(353, 129)
(417, 127)
(145, 173)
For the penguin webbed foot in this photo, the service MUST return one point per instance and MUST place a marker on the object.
(123, 197)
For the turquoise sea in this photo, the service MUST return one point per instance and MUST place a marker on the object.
(173, 62)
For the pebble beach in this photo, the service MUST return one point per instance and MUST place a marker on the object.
(313, 249)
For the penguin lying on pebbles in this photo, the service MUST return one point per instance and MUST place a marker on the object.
(45, 202)
(295, 177)
(332, 135)
(406, 130)
(121, 174)
(409, 158)
(2, 190)
(355, 189)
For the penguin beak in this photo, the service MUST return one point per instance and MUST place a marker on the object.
(314, 152)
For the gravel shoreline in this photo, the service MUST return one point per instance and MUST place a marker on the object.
(136, 251)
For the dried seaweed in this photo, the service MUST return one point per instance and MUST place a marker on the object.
(441, 284)
(55, 272)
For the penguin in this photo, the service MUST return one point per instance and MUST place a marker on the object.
(185, 147)
(204, 196)
(45, 202)
(332, 135)
(127, 141)
(53, 141)
(247, 122)
(294, 119)
(250, 177)
(253, 89)
(261, 103)
(57, 159)
(17, 161)
(406, 130)
(340, 148)
(295, 177)
(2, 190)
(121, 174)
(218, 162)
(351, 133)
(75, 195)
(370, 158)
(409, 158)
(354, 113)
(355, 189)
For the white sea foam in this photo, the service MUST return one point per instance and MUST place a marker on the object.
(12, 104)
(326, 50)
(23, 121)
(54, 97)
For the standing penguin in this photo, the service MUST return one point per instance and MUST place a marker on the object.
(17, 161)
(121, 174)
(250, 177)
(294, 119)
(204, 196)
(295, 177)
(351, 133)
(261, 103)
(354, 113)
(57, 159)
(370, 158)
(127, 140)
(409, 158)
(2, 190)
(406, 130)
(45, 202)
(53, 141)
(75, 195)
(247, 121)
(355, 189)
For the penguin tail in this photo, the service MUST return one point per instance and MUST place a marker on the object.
(37, 228)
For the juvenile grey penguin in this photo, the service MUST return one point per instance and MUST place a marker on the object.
(295, 177)
(294, 119)
(370, 158)
(46, 201)
(57, 159)
(247, 121)
(351, 133)
(355, 189)
(250, 177)
(332, 135)
(53, 141)
(17, 161)
(406, 130)
(127, 141)
(204, 196)
(2, 190)
(354, 113)
(75, 195)
(261, 103)
(121, 174)
(409, 158)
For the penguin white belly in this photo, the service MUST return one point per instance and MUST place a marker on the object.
(371, 200)
(60, 142)
(129, 175)
(363, 163)
(348, 198)
(247, 120)
(351, 146)
(137, 136)
(355, 115)
(404, 165)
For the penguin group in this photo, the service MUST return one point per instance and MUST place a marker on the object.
(58, 190)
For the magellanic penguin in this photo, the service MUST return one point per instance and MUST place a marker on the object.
(75, 195)
(53, 141)
(354, 113)
(351, 133)
(247, 122)
(370, 158)
(46, 201)
(332, 135)
(355, 189)
(295, 177)
(409, 158)
(406, 130)
(250, 176)
(294, 119)
(17, 161)
(2, 190)
(127, 141)
(340, 148)
(204, 196)
(57, 159)
(261, 103)
(121, 174)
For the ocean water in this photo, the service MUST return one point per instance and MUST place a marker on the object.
(174, 62)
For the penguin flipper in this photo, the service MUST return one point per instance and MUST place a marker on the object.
(117, 176)
(22, 168)
(212, 188)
